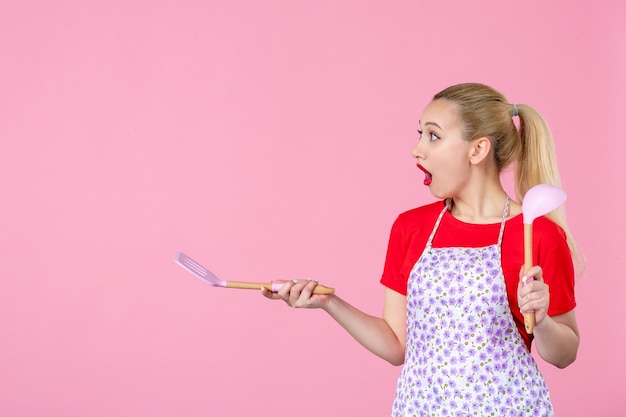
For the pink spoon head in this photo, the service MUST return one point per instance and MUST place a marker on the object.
(540, 200)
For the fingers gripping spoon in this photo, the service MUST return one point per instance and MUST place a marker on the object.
(207, 276)
(539, 200)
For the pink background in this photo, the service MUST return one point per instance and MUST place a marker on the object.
(269, 140)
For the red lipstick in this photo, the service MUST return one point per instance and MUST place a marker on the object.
(429, 176)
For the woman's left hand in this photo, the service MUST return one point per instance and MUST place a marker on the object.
(533, 294)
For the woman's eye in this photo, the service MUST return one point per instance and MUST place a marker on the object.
(431, 136)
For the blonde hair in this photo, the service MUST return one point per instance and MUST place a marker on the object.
(485, 112)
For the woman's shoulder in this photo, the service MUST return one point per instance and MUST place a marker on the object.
(420, 215)
(545, 231)
(545, 228)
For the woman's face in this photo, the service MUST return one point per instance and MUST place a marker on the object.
(441, 151)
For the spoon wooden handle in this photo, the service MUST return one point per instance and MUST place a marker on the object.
(529, 318)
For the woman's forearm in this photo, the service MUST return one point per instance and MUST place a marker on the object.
(557, 339)
(385, 337)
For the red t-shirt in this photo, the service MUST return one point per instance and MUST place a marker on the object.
(411, 229)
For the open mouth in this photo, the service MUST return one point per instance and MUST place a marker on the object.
(429, 177)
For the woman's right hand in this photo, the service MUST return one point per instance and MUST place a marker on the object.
(298, 294)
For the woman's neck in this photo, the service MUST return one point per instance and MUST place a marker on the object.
(482, 205)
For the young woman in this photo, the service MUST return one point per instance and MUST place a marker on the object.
(456, 289)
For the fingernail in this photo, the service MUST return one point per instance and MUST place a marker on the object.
(295, 280)
(263, 289)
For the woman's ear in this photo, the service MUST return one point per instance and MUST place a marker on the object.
(479, 150)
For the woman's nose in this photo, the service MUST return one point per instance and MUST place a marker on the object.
(415, 152)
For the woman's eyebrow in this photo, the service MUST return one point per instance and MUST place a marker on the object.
(432, 124)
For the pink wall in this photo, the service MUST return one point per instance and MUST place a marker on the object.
(269, 140)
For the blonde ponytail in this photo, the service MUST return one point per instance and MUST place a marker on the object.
(537, 164)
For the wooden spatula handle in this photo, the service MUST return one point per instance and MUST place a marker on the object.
(319, 289)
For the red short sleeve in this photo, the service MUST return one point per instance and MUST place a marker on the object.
(407, 240)
(553, 255)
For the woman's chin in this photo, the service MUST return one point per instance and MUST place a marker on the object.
(438, 194)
